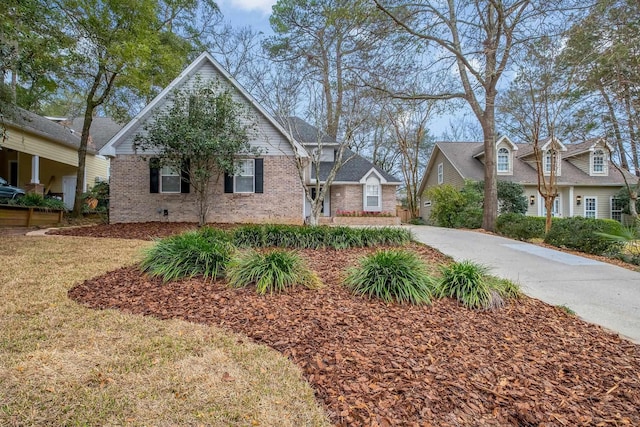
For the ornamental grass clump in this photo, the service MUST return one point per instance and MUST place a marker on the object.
(469, 283)
(273, 271)
(194, 253)
(391, 275)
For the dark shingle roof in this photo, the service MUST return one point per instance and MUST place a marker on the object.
(43, 127)
(355, 167)
(353, 170)
(460, 154)
(102, 129)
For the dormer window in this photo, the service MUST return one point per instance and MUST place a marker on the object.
(551, 157)
(597, 162)
(503, 160)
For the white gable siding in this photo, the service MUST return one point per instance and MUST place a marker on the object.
(267, 137)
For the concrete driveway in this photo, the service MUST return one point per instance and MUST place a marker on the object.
(598, 292)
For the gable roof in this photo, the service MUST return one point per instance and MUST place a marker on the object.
(102, 129)
(464, 158)
(43, 127)
(135, 123)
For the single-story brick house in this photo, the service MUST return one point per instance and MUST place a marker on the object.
(586, 179)
(267, 187)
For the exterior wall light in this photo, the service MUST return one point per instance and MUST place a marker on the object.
(532, 200)
(578, 200)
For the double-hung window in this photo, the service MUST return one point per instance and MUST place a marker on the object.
(373, 196)
(169, 180)
(590, 207)
(244, 180)
(616, 209)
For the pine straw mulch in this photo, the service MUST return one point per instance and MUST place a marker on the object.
(377, 364)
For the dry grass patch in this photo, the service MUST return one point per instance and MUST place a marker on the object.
(63, 364)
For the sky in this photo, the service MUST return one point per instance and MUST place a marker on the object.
(253, 13)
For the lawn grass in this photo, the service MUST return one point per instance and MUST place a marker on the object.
(63, 364)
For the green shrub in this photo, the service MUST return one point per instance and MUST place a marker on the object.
(37, 200)
(583, 234)
(466, 282)
(505, 287)
(391, 275)
(188, 254)
(316, 237)
(521, 227)
(454, 208)
(273, 271)
(417, 221)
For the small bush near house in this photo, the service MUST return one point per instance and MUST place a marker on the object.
(391, 275)
(521, 227)
(585, 235)
(454, 208)
(97, 199)
(469, 283)
(194, 253)
(37, 200)
(274, 271)
(511, 198)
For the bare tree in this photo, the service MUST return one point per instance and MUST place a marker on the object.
(538, 107)
(476, 39)
(409, 122)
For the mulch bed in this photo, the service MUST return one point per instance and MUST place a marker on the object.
(378, 364)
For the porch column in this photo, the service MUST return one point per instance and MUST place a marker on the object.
(34, 186)
(571, 199)
(35, 170)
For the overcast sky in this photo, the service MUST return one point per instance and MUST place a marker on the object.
(254, 13)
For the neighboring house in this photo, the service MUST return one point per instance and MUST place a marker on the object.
(41, 156)
(587, 181)
(267, 187)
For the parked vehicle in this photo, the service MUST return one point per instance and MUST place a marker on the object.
(9, 191)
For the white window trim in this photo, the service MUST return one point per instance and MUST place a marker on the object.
(253, 188)
(378, 206)
(605, 165)
(176, 173)
(595, 206)
(440, 173)
(508, 155)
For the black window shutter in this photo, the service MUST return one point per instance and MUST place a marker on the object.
(154, 175)
(228, 183)
(259, 168)
(184, 174)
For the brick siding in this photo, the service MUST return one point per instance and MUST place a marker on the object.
(131, 201)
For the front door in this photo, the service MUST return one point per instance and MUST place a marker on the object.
(69, 190)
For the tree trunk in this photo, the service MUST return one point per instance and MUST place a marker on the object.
(82, 158)
(548, 204)
(490, 211)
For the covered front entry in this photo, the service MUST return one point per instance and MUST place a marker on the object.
(326, 206)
